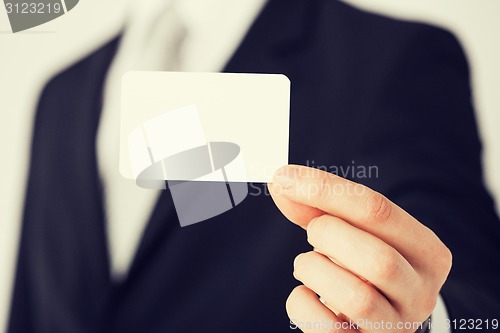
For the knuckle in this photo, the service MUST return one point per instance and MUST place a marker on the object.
(379, 208)
(301, 264)
(424, 297)
(428, 304)
(443, 261)
(446, 258)
(363, 301)
(316, 231)
(385, 264)
(297, 296)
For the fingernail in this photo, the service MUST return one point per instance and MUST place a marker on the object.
(285, 177)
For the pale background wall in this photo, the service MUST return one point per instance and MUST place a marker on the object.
(28, 59)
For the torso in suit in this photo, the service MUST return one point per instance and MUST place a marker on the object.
(366, 91)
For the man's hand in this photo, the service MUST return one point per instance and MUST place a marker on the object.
(372, 262)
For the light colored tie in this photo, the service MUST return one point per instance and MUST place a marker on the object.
(151, 41)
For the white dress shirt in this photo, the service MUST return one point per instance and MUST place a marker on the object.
(215, 28)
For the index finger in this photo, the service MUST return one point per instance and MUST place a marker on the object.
(357, 204)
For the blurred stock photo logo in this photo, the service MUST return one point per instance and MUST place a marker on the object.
(24, 15)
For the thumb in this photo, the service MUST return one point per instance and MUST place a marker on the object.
(298, 213)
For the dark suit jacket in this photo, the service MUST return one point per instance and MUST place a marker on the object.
(368, 89)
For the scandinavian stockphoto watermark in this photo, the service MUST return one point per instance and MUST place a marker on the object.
(354, 171)
(340, 326)
(24, 14)
(439, 325)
